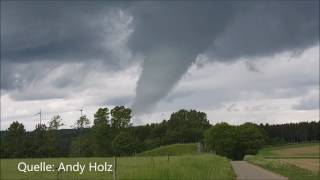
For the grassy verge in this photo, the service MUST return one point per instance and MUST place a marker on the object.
(175, 149)
(288, 170)
(204, 166)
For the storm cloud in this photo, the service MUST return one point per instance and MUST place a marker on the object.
(172, 35)
(166, 38)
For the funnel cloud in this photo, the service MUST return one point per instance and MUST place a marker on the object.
(172, 35)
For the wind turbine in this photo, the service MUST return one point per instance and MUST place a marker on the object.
(81, 110)
(39, 113)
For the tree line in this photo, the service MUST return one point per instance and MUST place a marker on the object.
(292, 132)
(112, 134)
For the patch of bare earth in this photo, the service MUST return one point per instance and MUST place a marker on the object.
(298, 151)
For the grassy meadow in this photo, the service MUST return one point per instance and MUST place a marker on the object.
(175, 149)
(202, 166)
(296, 161)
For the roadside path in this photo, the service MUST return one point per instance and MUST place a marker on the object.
(246, 171)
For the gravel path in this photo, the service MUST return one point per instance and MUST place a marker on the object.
(246, 171)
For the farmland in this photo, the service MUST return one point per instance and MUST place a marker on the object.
(204, 166)
(293, 150)
(298, 161)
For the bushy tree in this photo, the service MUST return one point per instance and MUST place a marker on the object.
(234, 141)
(250, 138)
(55, 123)
(102, 133)
(221, 139)
(125, 144)
(43, 142)
(121, 117)
(13, 143)
(184, 119)
(101, 117)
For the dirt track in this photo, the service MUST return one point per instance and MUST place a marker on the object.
(246, 171)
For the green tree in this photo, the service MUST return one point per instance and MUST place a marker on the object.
(184, 119)
(43, 142)
(125, 144)
(186, 126)
(221, 138)
(250, 139)
(101, 117)
(234, 141)
(82, 122)
(55, 123)
(121, 117)
(13, 144)
(81, 146)
(102, 133)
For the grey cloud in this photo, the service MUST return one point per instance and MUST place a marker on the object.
(173, 34)
(255, 108)
(119, 101)
(40, 37)
(232, 108)
(251, 67)
(267, 28)
(57, 31)
(170, 35)
(177, 95)
(34, 94)
(307, 103)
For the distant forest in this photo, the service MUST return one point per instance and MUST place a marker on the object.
(113, 134)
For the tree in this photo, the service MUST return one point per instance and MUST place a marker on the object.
(121, 117)
(43, 143)
(184, 119)
(82, 122)
(13, 145)
(234, 141)
(102, 133)
(55, 123)
(83, 143)
(125, 144)
(101, 117)
(250, 138)
(221, 139)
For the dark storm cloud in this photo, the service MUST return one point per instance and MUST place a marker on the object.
(171, 35)
(37, 37)
(57, 31)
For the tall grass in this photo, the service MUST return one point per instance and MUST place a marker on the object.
(204, 166)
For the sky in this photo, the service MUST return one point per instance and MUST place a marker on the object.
(237, 61)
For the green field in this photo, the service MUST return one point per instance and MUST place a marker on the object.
(204, 166)
(296, 161)
(175, 149)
